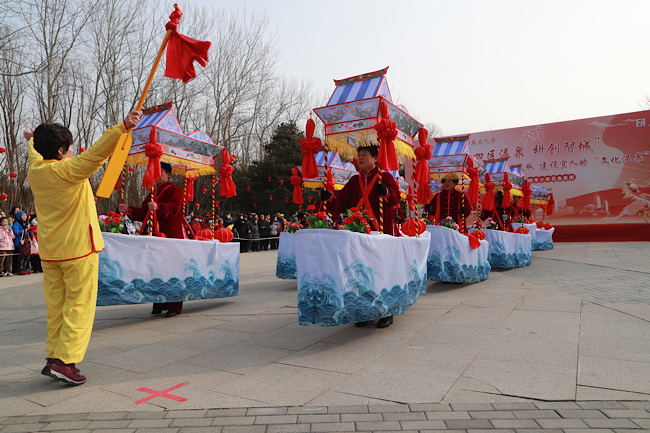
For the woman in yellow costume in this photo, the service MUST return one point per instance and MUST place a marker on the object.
(69, 238)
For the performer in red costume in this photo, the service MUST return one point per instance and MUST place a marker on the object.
(363, 190)
(168, 205)
(502, 216)
(450, 203)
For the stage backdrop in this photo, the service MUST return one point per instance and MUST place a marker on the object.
(598, 168)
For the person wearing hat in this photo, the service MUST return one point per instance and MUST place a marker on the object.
(167, 202)
(70, 238)
(365, 190)
(450, 203)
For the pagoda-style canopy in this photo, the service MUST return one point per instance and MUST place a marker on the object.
(451, 155)
(353, 110)
(192, 153)
(499, 167)
(341, 171)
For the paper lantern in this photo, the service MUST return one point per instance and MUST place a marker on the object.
(309, 198)
(286, 199)
(248, 187)
(269, 178)
(197, 205)
(131, 169)
(223, 235)
(281, 182)
(4, 196)
(523, 230)
(13, 175)
(2, 150)
(259, 171)
(270, 196)
(478, 234)
(82, 149)
(204, 190)
(414, 227)
(254, 203)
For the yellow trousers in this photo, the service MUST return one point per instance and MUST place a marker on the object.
(71, 299)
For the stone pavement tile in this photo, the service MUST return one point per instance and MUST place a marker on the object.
(625, 413)
(213, 399)
(580, 413)
(150, 422)
(545, 299)
(338, 399)
(352, 417)
(600, 405)
(348, 409)
(212, 337)
(98, 416)
(538, 381)
(436, 334)
(339, 358)
(513, 406)
(233, 420)
(145, 358)
(150, 414)
(561, 423)
(333, 427)
(306, 419)
(422, 425)
(259, 323)
(379, 425)
(42, 390)
(307, 410)
(264, 411)
(276, 419)
(238, 358)
(497, 297)
(194, 413)
(226, 412)
(628, 349)
(23, 428)
(288, 428)
(496, 414)
(535, 414)
(65, 417)
(117, 423)
(96, 399)
(292, 337)
(609, 423)
(443, 357)
(25, 419)
(243, 429)
(531, 350)
(114, 430)
(641, 422)
(191, 422)
(645, 404)
(429, 407)
(594, 393)
(615, 374)
(468, 424)
(457, 414)
(490, 317)
(407, 384)
(157, 430)
(514, 423)
(388, 408)
(65, 425)
(408, 416)
(211, 429)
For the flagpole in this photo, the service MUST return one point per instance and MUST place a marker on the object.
(115, 164)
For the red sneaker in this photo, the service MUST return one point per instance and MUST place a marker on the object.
(67, 373)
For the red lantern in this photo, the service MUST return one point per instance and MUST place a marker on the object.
(95, 199)
(233, 157)
(248, 187)
(286, 199)
(4, 196)
(523, 230)
(254, 203)
(2, 150)
(269, 178)
(478, 234)
(281, 182)
(197, 205)
(309, 198)
(223, 235)
(13, 175)
(204, 190)
(270, 196)
(82, 149)
(259, 171)
(131, 169)
(414, 227)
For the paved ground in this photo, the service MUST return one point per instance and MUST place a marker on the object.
(562, 344)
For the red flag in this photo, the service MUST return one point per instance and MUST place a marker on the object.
(182, 51)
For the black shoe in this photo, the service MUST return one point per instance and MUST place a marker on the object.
(156, 311)
(385, 322)
(172, 313)
(361, 324)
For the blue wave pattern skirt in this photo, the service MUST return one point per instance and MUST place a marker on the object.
(508, 250)
(452, 260)
(346, 277)
(286, 263)
(145, 269)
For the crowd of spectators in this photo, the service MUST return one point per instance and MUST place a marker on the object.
(254, 232)
(15, 227)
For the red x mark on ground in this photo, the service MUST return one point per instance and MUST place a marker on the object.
(163, 393)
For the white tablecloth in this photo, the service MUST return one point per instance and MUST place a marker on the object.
(451, 259)
(145, 269)
(346, 277)
(508, 250)
(543, 240)
(285, 267)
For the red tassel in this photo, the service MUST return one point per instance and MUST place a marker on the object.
(309, 147)
(488, 199)
(473, 241)
(296, 181)
(551, 206)
(228, 188)
(507, 186)
(386, 133)
(472, 191)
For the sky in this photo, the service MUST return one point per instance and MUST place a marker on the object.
(472, 65)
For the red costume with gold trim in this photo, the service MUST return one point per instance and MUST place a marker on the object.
(169, 199)
(361, 191)
(450, 204)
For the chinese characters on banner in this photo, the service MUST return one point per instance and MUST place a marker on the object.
(598, 168)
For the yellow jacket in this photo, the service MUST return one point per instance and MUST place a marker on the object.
(64, 200)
